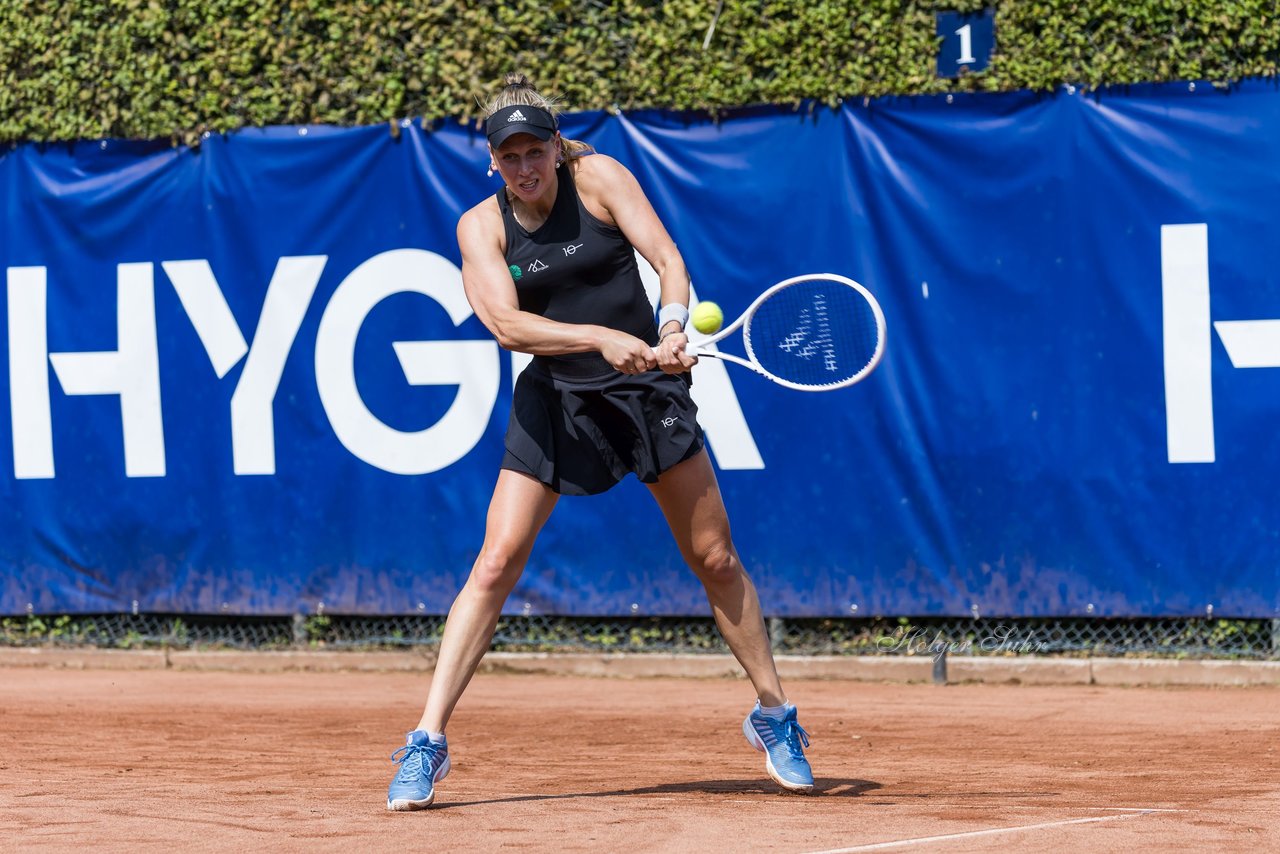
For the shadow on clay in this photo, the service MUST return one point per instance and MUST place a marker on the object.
(822, 787)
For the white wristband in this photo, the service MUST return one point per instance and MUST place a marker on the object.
(673, 311)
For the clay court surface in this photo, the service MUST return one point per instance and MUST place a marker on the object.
(226, 761)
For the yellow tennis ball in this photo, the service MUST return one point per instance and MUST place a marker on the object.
(707, 317)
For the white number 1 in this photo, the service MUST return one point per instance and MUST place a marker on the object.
(966, 46)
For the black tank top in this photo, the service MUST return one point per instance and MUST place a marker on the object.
(576, 269)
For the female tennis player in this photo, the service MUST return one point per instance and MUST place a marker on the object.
(548, 264)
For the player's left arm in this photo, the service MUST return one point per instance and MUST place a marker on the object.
(616, 190)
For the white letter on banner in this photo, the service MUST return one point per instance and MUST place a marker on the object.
(29, 374)
(253, 426)
(1251, 343)
(208, 311)
(471, 365)
(1188, 385)
(132, 371)
(253, 436)
(719, 412)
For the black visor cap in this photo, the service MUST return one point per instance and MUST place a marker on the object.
(509, 121)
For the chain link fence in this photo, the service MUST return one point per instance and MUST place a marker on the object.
(1165, 637)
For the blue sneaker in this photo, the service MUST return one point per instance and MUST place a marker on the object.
(782, 743)
(422, 764)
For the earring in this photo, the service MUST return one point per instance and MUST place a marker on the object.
(490, 172)
(559, 161)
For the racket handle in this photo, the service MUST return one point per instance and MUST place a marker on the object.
(692, 350)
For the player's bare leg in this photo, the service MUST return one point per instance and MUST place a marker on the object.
(690, 499)
(517, 511)
(520, 506)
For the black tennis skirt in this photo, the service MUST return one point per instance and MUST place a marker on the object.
(579, 426)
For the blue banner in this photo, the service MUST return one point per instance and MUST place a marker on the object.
(244, 379)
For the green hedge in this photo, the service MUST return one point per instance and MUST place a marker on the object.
(175, 68)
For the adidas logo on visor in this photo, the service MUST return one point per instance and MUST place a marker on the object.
(517, 116)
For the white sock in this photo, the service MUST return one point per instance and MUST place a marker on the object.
(436, 737)
(775, 712)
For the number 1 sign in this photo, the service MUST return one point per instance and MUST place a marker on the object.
(967, 41)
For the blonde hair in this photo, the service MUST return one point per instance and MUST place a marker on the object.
(518, 91)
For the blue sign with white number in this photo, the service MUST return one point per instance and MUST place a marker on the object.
(968, 38)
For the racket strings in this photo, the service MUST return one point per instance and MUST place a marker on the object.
(813, 333)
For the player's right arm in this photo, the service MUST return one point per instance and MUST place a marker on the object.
(492, 294)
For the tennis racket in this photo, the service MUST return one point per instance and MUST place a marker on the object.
(815, 332)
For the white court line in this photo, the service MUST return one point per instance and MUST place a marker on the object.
(921, 840)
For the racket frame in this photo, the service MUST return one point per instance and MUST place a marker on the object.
(701, 347)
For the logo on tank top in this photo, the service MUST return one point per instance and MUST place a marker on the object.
(516, 272)
(537, 266)
(570, 249)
